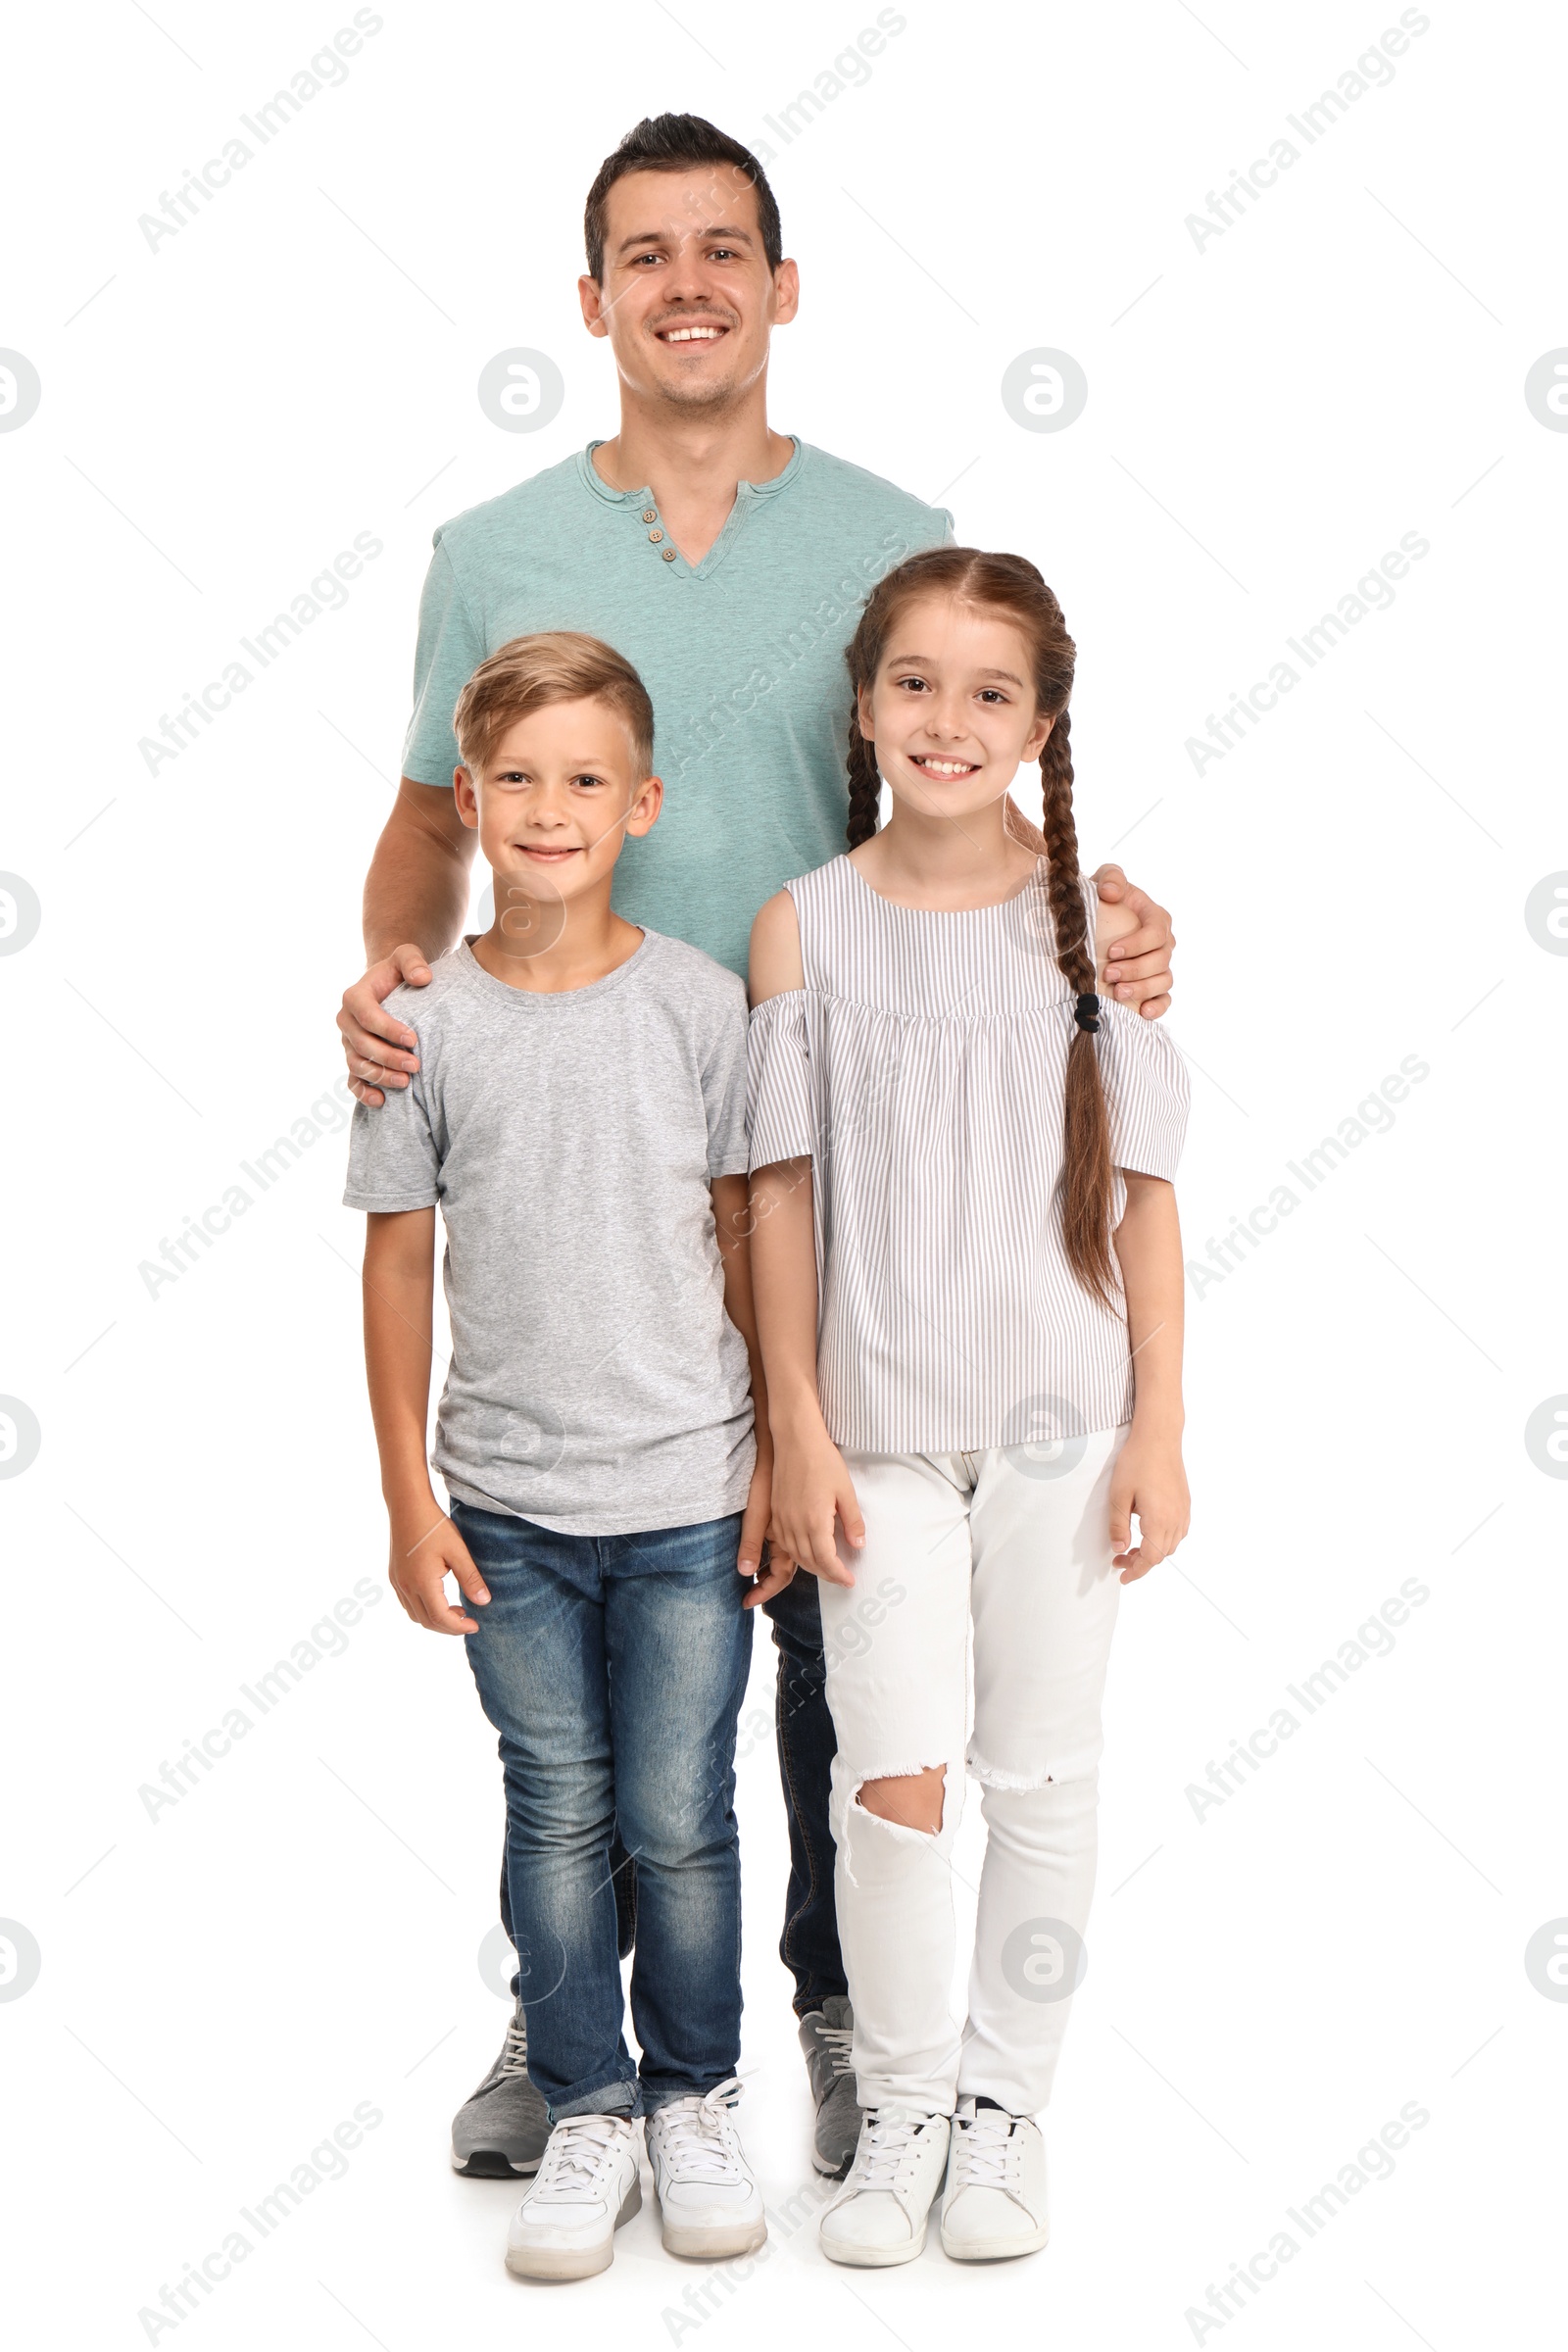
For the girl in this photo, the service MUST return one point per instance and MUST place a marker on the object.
(966, 1233)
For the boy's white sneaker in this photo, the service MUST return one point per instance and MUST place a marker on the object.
(710, 2206)
(994, 2205)
(878, 2217)
(585, 2187)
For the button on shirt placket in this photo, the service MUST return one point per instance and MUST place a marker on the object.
(651, 514)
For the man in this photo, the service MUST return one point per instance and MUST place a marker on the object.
(728, 562)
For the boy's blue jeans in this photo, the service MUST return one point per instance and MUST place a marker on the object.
(613, 1668)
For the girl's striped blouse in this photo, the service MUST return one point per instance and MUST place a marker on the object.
(922, 1068)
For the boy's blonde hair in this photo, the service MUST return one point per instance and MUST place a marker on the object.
(554, 666)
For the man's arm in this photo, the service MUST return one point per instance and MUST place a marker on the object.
(415, 896)
(1141, 973)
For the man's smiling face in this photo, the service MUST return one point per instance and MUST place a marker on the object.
(688, 300)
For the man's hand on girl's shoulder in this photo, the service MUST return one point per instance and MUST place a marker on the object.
(1139, 973)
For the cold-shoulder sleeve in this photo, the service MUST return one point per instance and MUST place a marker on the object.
(1145, 1079)
(780, 1123)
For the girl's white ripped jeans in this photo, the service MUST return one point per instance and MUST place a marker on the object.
(1009, 1548)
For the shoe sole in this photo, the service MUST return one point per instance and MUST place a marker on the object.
(572, 2262)
(711, 2244)
(832, 2171)
(494, 2164)
(994, 2250)
(873, 2258)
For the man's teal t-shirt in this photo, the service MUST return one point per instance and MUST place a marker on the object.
(743, 655)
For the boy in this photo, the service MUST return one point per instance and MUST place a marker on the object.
(578, 1114)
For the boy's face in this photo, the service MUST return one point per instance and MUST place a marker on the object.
(688, 300)
(559, 794)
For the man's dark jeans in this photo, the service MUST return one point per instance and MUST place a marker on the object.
(810, 1944)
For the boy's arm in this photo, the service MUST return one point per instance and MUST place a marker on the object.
(399, 1298)
(1149, 1477)
(732, 1223)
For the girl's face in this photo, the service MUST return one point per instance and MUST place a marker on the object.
(952, 707)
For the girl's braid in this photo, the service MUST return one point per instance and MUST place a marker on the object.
(1086, 1172)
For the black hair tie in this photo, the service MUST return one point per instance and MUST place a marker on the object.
(1088, 1013)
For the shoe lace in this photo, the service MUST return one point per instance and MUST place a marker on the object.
(986, 2153)
(887, 2143)
(838, 2040)
(513, 2059)
(576, 2155)
(696, 2137)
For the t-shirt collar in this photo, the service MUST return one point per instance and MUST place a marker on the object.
(596, 482)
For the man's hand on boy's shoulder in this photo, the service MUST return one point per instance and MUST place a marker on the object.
(1138, 973)
(381, 1051)
(418, 881)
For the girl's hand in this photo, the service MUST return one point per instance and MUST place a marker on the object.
(812, 1492)
(426, 1548)
(1148, 1478)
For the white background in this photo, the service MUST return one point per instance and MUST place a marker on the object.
(1269, 1984)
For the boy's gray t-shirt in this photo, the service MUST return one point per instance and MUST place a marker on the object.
(597, 1385)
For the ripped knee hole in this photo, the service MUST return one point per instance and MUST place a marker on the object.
(914, 1799)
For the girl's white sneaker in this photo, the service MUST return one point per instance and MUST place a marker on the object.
(994, 2205)
(878, 2217)
(585, 2187)
(711, 2206)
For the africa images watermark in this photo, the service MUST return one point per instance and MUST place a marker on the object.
(1373, 1639)
(329, 1115)
(851, 69)
(328, 2160)
(1372, 1115)
(327, 70)
(1373, 2161)
(326, 593)
(1373, 69)
(1373, 593)
(328, 1637)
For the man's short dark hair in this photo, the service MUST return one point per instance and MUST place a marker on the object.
(678, 143)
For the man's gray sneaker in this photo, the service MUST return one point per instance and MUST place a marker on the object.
(501, 2131)
(825, 2039)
